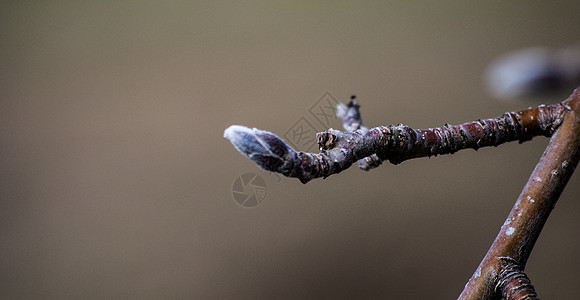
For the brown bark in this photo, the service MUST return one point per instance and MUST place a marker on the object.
(532, 208)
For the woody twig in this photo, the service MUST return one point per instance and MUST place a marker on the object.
(501, 272)
(395, 143)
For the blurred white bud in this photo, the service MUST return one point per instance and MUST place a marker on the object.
(532, 74)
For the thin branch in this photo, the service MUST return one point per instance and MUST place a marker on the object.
(393, 143)
(532, 208)
(351, 121)
(500, 274)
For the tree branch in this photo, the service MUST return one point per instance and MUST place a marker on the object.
(351, 121)
(500, 274)
(393, 143)
(531, 210)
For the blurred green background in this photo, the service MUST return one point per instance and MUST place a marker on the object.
(116, 182)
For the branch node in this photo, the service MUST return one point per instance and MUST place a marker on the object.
(326, 139)
(513, 283)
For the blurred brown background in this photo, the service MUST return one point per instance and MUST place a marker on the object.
(116, 182)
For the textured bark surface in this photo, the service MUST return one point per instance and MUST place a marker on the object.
(513, 283)
(500, 274)
(524, 223)
(394, 143)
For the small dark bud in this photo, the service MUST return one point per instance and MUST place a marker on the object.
(263, 147)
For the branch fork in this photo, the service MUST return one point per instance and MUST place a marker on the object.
(500, 273)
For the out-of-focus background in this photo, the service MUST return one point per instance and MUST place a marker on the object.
(116, 181)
